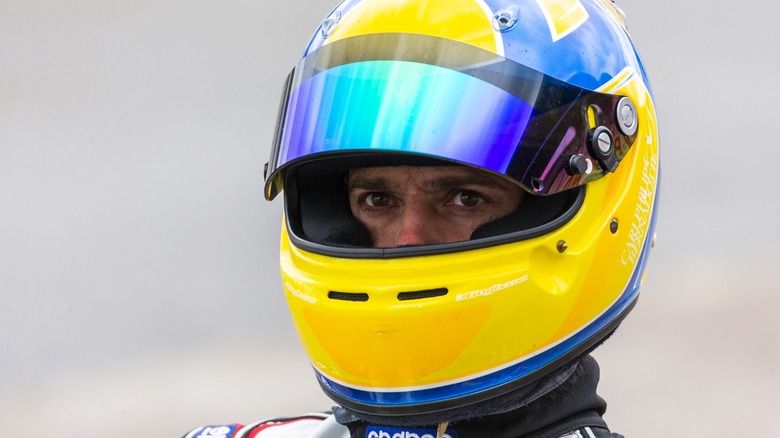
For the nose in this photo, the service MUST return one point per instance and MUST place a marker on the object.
(412, 231)
(417, 225)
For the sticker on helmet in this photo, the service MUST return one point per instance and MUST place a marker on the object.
(491, 290)
(643, 211)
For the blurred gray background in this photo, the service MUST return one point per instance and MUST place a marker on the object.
(138, 262)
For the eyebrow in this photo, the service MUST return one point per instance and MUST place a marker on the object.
(375, 184)
(380, 183)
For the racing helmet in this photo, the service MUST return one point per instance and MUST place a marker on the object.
(549, 94)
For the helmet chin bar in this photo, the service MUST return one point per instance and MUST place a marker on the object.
(463, 407)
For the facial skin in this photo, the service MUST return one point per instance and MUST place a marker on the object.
(415, 205)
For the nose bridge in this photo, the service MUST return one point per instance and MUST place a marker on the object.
(417, 223)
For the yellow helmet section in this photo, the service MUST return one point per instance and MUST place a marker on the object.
(467, 21)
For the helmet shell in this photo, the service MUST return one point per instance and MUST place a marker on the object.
(436, 330)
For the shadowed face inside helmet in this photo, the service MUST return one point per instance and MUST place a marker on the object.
(394, 205)
(410, 205)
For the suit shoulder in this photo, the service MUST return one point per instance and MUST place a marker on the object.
(318, 425)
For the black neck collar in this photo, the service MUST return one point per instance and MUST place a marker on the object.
(564, 402)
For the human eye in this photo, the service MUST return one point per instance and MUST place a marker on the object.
(375, 199)
(467, 198)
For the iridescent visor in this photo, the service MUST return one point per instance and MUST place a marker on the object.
(438, 98)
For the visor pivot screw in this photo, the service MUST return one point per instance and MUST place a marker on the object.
(602, 148)
(603, 142)
(627, 117)
(562, 246)
(613, 226)
(330, 23)
(579, 165)
(505, 19)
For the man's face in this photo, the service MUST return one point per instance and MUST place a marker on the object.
(414, 205)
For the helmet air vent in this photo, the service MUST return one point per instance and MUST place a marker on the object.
(421, 294)
(506, 19)
(348, 296)
(330, 24)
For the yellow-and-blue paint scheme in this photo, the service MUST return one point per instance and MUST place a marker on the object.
(511, 311)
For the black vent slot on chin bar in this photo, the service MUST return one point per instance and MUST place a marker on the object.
(348, 296)
(421, 294)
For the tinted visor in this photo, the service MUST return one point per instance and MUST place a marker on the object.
(434, 97)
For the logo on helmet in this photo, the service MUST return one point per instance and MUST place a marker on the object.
(491, 290)
(643, 212)
(299, 294)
